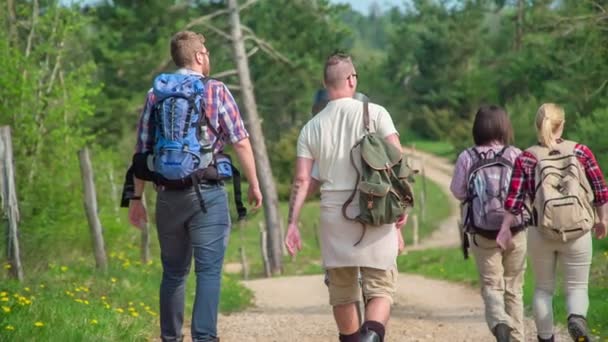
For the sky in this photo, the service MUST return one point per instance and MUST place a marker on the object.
(363, 5)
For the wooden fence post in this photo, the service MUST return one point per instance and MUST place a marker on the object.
(90, 205)
(264, 248)
(145, 238)
(10, 205)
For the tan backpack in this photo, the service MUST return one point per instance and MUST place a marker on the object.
(562, 196)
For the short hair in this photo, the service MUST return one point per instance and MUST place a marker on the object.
(492, 124)
(184, 45)
(338, 67)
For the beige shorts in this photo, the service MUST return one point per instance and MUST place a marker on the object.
(343, 283)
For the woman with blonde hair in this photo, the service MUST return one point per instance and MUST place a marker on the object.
(564, 183)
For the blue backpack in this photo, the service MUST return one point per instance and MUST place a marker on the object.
(183, 145)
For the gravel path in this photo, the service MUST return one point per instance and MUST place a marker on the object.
(294, 309)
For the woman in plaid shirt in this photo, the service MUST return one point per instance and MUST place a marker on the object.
(574, 255)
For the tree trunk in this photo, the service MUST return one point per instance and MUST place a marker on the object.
(90, 205)
(9, 201)
(268, 187)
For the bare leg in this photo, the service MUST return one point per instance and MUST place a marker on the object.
(346, 318)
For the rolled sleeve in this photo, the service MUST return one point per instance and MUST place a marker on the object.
(229, 117)
(458, 185)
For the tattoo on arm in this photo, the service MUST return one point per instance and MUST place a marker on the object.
(292, 200)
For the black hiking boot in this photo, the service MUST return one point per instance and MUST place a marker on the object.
(577, 327)
(502, 332)
(550, 339)
(369, 336)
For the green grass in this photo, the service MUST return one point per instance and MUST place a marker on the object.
(448, 264)
(65, 299)
(438, 148)
(308, 261)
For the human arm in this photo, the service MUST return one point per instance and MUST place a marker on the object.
(233, 131)
(458, 185)
(299, 192)
(138, 216)
(598, 184)
(518, 188)
(244, 153)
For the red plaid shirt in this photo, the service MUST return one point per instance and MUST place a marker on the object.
(523, 183)
(222, 111)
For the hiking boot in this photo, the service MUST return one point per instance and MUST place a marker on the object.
(502, 332)
(550, 339)
(577, 327)
(369, 336)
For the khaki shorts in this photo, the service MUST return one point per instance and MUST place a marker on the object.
(343, 283)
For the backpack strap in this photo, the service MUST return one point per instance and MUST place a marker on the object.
(238, 201)
(366, 116)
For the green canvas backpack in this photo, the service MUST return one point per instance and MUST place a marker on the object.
(384, 181)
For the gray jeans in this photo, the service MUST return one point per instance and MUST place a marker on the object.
(184, 231)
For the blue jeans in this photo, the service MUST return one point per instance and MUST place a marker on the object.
(184, 230)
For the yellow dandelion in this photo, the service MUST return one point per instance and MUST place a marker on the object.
(28, 302)
(6, 309)
(7, 266)
(132, 309)
(120, 310)
(3, 294)
(16, 295)
(103, 298)
(130, 303)
(4, 299)
(78, 300)
(69, 293)
(42, 286)
(9, 327)
(113, 279)
(107, 306)
(86, 302)
(134, 314)
(94, 321)
(39, 324)
(27, 289)
(85, 289)
(63, 268)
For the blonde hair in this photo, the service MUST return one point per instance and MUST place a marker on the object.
(184, 45)
(549, 119)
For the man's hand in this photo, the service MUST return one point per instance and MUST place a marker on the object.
(137, 214)
(600, 230)
(504, 238)
(293, 240)
(401, 242)
(255, 197)
(401, 221)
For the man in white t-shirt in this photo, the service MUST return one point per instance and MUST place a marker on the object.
(326, 140)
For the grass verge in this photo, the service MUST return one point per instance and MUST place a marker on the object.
(69, 301)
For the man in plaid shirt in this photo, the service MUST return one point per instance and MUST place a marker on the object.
(184, 230)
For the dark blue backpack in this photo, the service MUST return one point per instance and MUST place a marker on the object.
(183, 145)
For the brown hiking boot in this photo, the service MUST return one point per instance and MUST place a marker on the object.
(550, 339)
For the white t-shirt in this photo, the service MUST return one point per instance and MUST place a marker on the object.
(329, 137)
